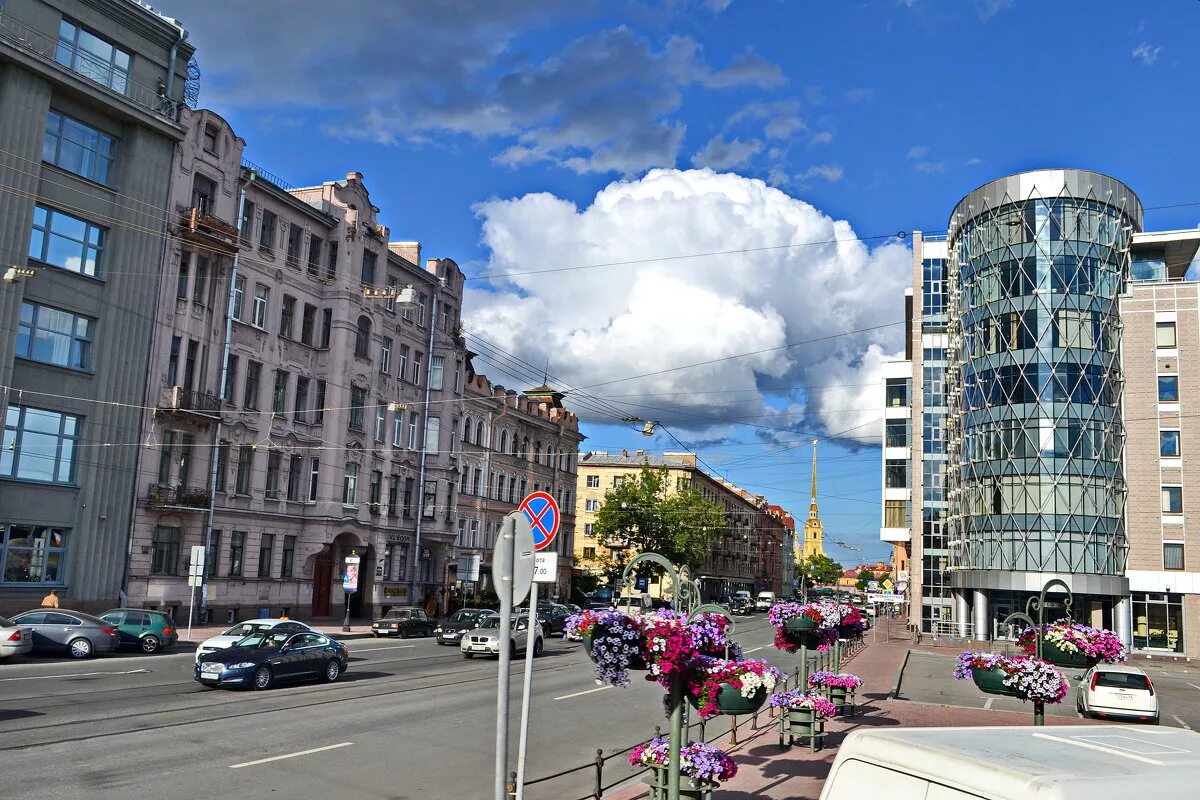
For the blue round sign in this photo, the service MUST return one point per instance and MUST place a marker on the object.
(542, 511)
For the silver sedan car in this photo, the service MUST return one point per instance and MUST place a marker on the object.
(14, 639)
(79, 635)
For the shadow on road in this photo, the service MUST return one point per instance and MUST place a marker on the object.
(17, 713)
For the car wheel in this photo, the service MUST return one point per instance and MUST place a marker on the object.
(376, 635)
(333, 671)
(150, 644)
(262, 678)
(468, 655)
(537, 647)
(403, 634)
(79, 648)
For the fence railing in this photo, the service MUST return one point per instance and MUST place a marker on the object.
(818, 662)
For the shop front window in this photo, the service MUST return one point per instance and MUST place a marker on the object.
(1158, 622)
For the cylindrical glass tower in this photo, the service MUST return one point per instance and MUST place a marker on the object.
(1037, 490)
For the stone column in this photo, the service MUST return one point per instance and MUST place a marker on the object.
(981, 618)
(1123, 621)
(962, 611)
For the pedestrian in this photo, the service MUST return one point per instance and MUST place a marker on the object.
(50, 600)
(431, 606)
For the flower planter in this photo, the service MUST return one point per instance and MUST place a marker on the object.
(1059, 657)
(800, 624)
(991, 681)
(798, 723)
(731, 701)
(689, 789)
(635, 663)
(837, 696)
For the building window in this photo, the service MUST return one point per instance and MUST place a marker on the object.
(181, 281)
(422, 301)
(212, 554)
(300, 410)
(380, 422)
(326, 327)
(591, 505)
(1172, 499)
(331, 262)
(279, 395)
(200, 290)
(204, 194)
(1164, 335)
(209, 142)
(289, 557)
(1168, 388)
(402, 362)
(295, 476)
(319, 408)
(287, 314)
(239, 297)
(413, 424)
(416, 364)
(222, 464)
(262, 296)
(589, 554)
(274, 466)
(33, 554)
(293, 247)
(895, 472)
(314, 479)
(266, 232)
(314, 255)
(358, 399)
(39, 445)
(385, 355)
(375, 491)
(398, 429)
(1168, 444)
(393, 286)
(433, 432)
(266, 554)
(896, 392)
(429, 500)
(362, 337)
(350, 485)
(76, 147)
(92, 57)
(253, 377)
(409, 485)
(393, 502)
(53, 336)
(1157, 621)
(589, 530)
(389, 560)
(247, 223)
(896, 433)
(241, 484)
(237, 552)
(308, 322)
(164, 558)
(895, 513)
(464, 481)
(368, 267)
(1172, 555)
(593, 481)
(437, 365)
(66, 242)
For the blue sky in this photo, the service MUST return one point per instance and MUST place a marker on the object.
(746, 134)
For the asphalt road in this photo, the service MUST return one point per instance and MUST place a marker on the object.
(928, 678)
(409, 719)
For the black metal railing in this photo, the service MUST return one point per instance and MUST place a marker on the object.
(160, 495)
(177, 398)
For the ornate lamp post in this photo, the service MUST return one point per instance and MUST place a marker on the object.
(1038, 605)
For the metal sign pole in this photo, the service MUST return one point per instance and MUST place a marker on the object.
(191, 606)
(503, 576)
(530, 635)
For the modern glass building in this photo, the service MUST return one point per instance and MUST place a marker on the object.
(1034, 437)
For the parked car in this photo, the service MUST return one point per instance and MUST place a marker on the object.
(553, 618)
(272, 656)
(739, 605)
(486, 640)
(243, 629)
(58, 629)
(404, 621)
(1117, 691)
(148, 631)
(15, 640)
(636, 604)
(450, 631)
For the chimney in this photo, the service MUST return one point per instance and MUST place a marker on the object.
(624, 454)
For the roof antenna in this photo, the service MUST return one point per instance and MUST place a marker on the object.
(546, 373)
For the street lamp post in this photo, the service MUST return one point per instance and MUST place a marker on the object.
(1038, 605)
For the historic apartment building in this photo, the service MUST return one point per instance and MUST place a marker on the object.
(303, 402)
(733, 559)
(513, 444)
(91, 93)
(1036, 429)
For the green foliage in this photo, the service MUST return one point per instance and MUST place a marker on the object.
(645, 515)
(820, 568)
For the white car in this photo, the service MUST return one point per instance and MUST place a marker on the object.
(486, 641)
(1117, 691)
(15, 640)
(244, 629)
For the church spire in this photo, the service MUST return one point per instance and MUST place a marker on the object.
(812, 505)
(814, 534)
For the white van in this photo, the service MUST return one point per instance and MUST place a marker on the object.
(765, 601)
(1088, 762)
(635, 604)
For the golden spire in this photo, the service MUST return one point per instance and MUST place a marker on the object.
(812, 505)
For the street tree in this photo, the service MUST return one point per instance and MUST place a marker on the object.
(642, 514)
(820, 569)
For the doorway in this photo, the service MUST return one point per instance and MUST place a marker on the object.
(321, 585)
(360, 600)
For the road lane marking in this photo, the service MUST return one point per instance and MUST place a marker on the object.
(988, 705)
(1181, 722)
(74, 675)
(373, 649)
(1194, 686)
(755, 649)
(580, 694)
(291, 755)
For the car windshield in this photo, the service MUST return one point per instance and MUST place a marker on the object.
(396, 613)
(464, 616)
(1122, 680)
(247, 628)
(263, 641)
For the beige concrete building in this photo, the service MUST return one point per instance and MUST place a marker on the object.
(333, 429)
(733, 560)
(512, 444)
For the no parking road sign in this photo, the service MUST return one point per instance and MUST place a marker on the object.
(543, 515)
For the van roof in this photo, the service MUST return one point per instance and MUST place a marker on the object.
(1096, 762)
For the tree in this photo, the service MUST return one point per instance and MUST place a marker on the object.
(642, 514)
(863, 579)
(819, 568)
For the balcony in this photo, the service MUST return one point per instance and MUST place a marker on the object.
(196, 223)
(177, 498)
(176, 399)
(895, 535)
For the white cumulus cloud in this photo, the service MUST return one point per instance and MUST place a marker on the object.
(787, 273)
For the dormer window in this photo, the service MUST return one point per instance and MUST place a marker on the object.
(210, 138)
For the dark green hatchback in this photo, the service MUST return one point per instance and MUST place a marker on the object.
(148, 631)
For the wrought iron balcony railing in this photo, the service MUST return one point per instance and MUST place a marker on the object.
(160, 495)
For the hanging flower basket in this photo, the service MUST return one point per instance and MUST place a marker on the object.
(716, 686)
(1072, 644)
(612, 640)
(801, 624)
(730, 701)
(1014, 676)
(701, 766)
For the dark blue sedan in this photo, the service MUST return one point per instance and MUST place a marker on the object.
(262, 659)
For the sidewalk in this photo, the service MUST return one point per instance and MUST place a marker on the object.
(329, 625)
(765, 771)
